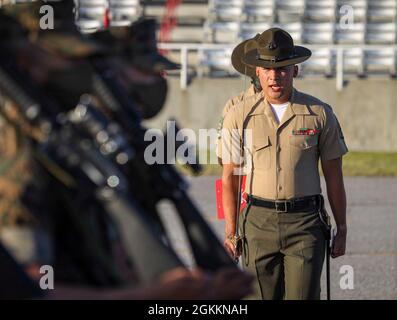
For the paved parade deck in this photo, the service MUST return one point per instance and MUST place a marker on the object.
(372, 235)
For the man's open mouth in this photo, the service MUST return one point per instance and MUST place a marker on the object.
(276, 87)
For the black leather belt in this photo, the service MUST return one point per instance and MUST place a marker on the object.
(293, 205)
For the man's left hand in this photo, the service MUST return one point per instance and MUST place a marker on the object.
(339, 244)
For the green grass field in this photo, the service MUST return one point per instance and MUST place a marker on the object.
(370, 164)
(354, 164)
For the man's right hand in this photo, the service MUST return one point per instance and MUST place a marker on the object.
(231, 249)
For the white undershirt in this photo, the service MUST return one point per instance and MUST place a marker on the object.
(279, 110)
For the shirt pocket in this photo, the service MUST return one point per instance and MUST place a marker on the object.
(303, 142)
(303, 150)
(261, 154)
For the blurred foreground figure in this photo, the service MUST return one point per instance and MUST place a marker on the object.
(178, 284)
(76, 191)
(143, 79)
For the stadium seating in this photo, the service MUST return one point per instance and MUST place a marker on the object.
(353, 61)
(226, 10)
(91, 15)
(380, 61)
(222, 31)
(321, 62)
(320, 24)
(294, 28)
(250, 29)
(354, 34)
(123, 12)
(319, 33)
(217, 62)
(290, 11)
(320, 10)
(259, 11)
(382, 10)
(381, 33)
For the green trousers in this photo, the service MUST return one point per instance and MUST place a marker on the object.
(284, 251)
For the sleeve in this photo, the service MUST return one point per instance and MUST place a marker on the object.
(331, 142)
(229, 104)
(231, 139)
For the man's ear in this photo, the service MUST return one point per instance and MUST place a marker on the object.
(257, 71)
(296, 70)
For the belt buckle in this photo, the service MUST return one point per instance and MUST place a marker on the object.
(277, 205)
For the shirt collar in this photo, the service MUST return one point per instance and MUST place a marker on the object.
(298, 106)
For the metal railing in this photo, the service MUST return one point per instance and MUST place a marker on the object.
(186, 48)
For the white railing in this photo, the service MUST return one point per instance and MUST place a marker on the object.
(185, 48)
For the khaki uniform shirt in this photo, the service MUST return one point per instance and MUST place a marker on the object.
(229, 105)
(281, 159)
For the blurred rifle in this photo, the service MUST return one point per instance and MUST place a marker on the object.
(81, 174)
(153, 183)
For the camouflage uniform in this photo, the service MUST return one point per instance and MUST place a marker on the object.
(24, 231)
(20, 230)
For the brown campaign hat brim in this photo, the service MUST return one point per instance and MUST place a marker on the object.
(251, 59)
(242, 68)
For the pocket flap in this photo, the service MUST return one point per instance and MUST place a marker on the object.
(261, 142)
(303, 142)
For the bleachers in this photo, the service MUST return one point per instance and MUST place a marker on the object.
(92, 15)
(352, 35)
(318, 21)
(382, 10)
(256, 10)
(310, 22)
(191, 17)
(250, 29)
(290, 11)
(320, 10)
(123, 12)
(353, 61)
(222, 31)
(381, 33)
(319, 33)
(217, 62)
(322, 62)
(380, 61)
